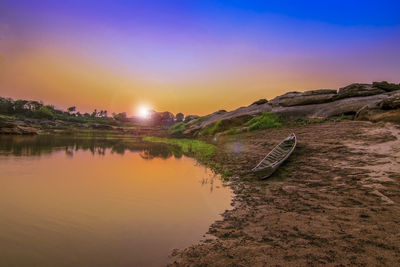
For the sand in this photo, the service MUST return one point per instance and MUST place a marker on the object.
(334, 202)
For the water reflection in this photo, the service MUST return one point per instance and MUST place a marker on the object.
(45, 144)
(69, 201)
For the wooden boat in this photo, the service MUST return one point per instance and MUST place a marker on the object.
(276, 157)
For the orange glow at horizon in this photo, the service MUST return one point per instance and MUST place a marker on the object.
(64, 79)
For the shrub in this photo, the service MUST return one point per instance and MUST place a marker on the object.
(264, 121)
(44, 113)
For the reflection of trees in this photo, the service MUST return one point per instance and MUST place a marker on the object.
(46, 144)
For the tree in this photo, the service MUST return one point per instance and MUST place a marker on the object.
(179, 117)
(44, 113)
(94, 114)
(6, 106)
(71, 109)
(19, 106)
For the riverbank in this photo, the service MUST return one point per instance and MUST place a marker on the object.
(335, 201)
(27, 126)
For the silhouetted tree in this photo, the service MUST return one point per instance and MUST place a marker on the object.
(71, 109)
(179, 117)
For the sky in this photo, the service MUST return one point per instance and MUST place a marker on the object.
(194, 57)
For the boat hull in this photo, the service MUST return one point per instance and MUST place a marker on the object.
(276, 157)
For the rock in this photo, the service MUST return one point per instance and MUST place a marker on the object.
(376, 115)
(358, 89)
(305, 98)
(388, 87)
(345, 106)
(322, 103)
(260, 102)
(16, 127)
(392, 102)
(190, 118)
(27, 130)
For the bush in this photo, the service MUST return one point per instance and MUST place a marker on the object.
(264, 121)
(43, 113)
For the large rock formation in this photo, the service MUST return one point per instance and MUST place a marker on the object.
(16, 127)
(321, 103)
(304, 98)
(358, 89)
(392, 102)
(189, 118)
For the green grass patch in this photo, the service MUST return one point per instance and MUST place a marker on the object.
(212, 129)
(264, 121)
(177, 128)
(199, 149)
(232, 131)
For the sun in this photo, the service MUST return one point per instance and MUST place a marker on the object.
(143, 111)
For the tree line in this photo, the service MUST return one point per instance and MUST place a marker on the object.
(38, 110)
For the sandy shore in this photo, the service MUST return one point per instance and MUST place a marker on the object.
(335, 202)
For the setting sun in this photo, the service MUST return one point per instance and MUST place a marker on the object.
(143, 111)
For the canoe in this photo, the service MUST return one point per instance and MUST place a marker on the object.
(276, 157)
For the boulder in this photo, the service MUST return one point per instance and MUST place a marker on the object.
(392, 102)
(190, 118)
(388, 87)
(304, 98)
(358, 89)
(259, 102)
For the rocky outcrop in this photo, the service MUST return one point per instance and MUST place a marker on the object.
(260, 102)
(189, 118)
(392, 102)
(304, 98)
(358, 89)
(16, 127)
(321, 103)
(388, 87)
(376, 115)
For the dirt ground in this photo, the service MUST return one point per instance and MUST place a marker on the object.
(334, 202)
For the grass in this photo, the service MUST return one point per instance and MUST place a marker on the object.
(3, 116)
(212, 129)
(264, 121)
(232, 131)
(196, 120)
(177, 128)
(199, 149)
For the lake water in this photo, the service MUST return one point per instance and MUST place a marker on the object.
(90, 202)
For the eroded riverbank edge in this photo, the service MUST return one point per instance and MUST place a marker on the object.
(335, 201)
